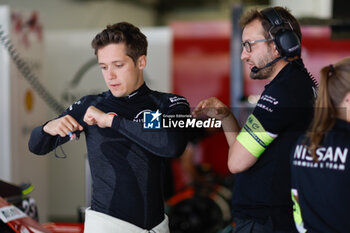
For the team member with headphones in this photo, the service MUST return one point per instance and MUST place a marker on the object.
(259, 152)
(320, 161)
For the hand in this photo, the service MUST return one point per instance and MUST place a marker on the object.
(212, 107)
(62, 126)
(95, 116)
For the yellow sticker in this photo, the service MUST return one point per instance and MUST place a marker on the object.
(29, 100)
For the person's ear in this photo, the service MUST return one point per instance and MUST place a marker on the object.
(347, 99)
(275, 50)
(346, 104)
(142, 62)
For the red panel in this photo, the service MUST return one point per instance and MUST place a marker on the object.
(320, 50)
(65, 227)
(201, 62)
(17, 220)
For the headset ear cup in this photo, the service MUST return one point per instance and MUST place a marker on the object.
(288, 43)
(277, 44)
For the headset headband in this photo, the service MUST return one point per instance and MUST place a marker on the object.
(286, 40)
(272, 15)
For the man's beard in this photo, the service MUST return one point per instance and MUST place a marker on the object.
(263, 73)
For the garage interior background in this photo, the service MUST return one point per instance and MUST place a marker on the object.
(67, 29)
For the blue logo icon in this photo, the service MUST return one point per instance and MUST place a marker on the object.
(151, 120)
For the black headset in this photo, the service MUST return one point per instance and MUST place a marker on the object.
(286, 40)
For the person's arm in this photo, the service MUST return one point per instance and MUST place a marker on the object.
(47, 137)
(43, 139)
(273, 113)
(162, 142)
(213, 107)
(295, 183)
(41, 143)
(239, 158)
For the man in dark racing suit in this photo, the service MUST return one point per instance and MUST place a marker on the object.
(125, 158)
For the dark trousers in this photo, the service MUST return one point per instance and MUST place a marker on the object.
(252, 226)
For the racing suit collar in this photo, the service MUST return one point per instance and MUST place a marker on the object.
(140, 91)
(143, 89)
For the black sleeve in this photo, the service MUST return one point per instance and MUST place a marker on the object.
(41, 143)
(274, 109)
(169, 142)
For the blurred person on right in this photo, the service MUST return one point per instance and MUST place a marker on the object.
(320, 163)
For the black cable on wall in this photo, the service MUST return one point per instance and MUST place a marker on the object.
(27, 73)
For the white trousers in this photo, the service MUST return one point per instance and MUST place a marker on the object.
(99, 222)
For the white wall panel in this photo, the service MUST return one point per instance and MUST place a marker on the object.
(310, 8)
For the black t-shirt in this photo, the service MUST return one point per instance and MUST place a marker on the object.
(323, 188)
(281, 115)
(125, 160)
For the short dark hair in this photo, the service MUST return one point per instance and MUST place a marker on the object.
(284, 14)
(123, 32)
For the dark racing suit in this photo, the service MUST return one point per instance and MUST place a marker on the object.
(126, 159)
